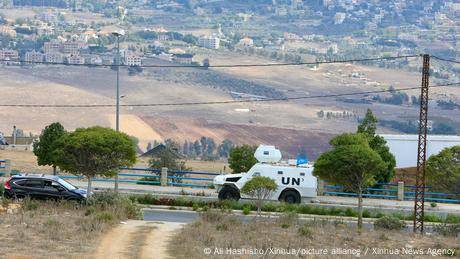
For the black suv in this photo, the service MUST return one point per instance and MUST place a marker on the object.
(41, 186)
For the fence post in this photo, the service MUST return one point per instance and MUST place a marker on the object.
(164, 176)
(401, 190)
(320, 187)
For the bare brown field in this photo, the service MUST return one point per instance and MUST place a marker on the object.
(276, 239)
(182, 129)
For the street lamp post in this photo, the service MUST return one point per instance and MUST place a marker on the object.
(117, 114)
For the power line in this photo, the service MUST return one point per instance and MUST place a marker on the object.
(220, 66)
(217, 102)
(447, 60)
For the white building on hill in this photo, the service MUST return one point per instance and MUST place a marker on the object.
(405, 147)
(209, 42)
(33, 56)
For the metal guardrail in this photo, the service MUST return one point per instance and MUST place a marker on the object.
(196, 179)
(390, 191)
(178, 178)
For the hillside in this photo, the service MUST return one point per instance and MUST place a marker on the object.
(290, 125)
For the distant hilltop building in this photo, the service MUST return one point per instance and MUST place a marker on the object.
(288, 36)
(9, 56)
(8, 31)
(34, 56)
(209, 42)
(339, 18)
(132, 59)
(54, 57)
(52, 46)
(185, 59)
(67, 47)
(75, 60)
(246, 42)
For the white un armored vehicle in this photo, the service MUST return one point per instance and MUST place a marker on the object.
(294, 181)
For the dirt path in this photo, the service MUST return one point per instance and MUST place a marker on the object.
(137, 239)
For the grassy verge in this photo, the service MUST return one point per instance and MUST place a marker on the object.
(55, 229)
(312, 209)
(226, 234)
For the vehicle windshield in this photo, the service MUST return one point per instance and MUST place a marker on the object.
(67, 185)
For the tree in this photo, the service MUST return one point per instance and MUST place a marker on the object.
(149, 146)
(95, 151)
(47, 143)
(168, 158)
(204, 144)
(260, 188)
(353, 165)
(242, 158)
(443, 170)
(197, 147)
(210, 146)
(368, 127)
(225, 147)
(443, 128)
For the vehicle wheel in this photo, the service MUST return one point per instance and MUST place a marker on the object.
(291, 197)
(229, 193)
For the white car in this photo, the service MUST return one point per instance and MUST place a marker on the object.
(294, 181)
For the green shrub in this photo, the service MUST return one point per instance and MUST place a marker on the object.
(270, 207)
(148, 199)
(148, 181)
(349, 212)
(366, 214)
(304, 209)
(2, 188)
(445, 229)
(104, 216)
(121, 206)
(430, 218)
(104, 199)
(450, 218)
(335, 211)
(305, 231)
(389, 222)
(433, 205)
(379, 214)
(246, 209)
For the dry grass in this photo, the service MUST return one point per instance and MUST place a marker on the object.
(216, 230)
(47, 229)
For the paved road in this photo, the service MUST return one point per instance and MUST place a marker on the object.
(170, 215)
(184, 216)
(390, 206)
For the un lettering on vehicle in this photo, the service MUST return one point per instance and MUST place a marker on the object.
(290, 181)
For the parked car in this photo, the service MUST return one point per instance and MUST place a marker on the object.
(41, 186)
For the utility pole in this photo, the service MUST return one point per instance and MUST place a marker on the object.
(419, 201)
(117, 113)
